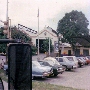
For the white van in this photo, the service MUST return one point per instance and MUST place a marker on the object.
(72, 58)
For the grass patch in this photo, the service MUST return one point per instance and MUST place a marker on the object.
(36, 85)
(3, 76)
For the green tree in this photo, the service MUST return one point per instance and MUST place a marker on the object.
(34, 50)
(2, 46)
(17, 34)
(46, 45)
(73, 24)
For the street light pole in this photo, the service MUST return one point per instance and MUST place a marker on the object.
(59, 42)
(7, 11)
(7, 19)
(38, 32)
(10, 30)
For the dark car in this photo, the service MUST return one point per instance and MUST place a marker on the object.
(87, 60)
(57, 69)
(84, 60)
(80, 62)
(6, 69)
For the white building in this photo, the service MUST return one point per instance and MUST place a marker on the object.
(47, 32)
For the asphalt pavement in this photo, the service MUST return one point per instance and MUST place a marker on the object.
(78, 78)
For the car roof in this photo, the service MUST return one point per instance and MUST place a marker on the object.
(58, 57)
(69, 56)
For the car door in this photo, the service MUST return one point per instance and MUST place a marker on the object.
(46, 64)
(61, 61)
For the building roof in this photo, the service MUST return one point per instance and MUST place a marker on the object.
(83, 40)
(65, 45)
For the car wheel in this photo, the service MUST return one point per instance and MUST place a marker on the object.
(80, 65)
(65, 68)
(55, 75)
(69, 69)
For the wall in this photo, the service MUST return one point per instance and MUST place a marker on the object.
(45, 33)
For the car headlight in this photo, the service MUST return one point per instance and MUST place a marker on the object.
(51, 70)
(59, 69)
(45, 73)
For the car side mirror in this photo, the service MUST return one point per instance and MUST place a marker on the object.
(1, 85)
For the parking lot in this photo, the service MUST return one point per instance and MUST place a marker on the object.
(79, 78)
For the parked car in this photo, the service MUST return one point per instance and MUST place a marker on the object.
(72, 59)
(57, 68)
(84, 61)
(87, 60)
(66, 63)
(55, 62)
(40, 71)
(88, 57)
(37, 70)
(80, 62)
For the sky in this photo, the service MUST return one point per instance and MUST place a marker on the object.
(25, 12)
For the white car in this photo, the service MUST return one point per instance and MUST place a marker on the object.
(72, 59)
(66, 63)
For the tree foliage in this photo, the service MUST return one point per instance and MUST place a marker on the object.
(73, 24)
(46, 45)
(2, 46)
(17, 34)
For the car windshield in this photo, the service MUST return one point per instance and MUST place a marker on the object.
(53, 62)
(65, 59)
(35, 63)
(50, 62)
(70, 58)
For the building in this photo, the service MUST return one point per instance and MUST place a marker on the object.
(48, 32)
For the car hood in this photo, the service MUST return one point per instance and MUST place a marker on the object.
(57, 66)
(42, 68)
(48, 67)
(71, 63)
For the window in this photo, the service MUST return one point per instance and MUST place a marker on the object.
(70, 58)
(60, 60)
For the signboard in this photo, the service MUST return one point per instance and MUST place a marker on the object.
(19, 67)
(56, 47)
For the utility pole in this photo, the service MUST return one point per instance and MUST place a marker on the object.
(38, 32)
(7, 19)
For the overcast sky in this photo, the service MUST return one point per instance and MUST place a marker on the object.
(50, 11)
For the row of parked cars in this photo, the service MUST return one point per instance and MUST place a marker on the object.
(52, 66)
